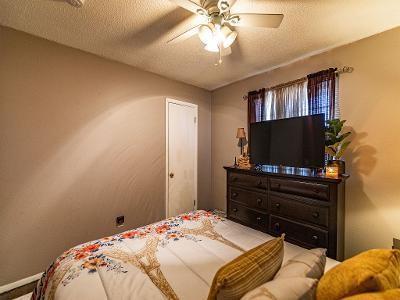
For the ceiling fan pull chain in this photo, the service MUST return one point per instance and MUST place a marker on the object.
(220, 53)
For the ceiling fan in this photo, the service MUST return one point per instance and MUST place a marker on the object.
(216, 21)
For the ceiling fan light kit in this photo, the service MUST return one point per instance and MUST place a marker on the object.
(216, 33)
(216, 36)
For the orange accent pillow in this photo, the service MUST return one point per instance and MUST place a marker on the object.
(371, 271)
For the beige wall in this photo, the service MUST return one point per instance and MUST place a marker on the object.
(82, 141)
(370, 101)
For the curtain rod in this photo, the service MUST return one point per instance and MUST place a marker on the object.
(339, 71)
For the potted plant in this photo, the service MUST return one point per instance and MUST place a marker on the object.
(336, 143)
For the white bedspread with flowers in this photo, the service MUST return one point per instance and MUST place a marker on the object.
(176, 258)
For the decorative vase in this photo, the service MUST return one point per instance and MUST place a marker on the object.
(340, 164)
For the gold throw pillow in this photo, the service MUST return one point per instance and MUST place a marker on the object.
(248, 271)
(371, 271)
(393, 294)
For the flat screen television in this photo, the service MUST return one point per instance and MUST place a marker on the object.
(293, 142)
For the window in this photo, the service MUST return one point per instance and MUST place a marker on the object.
(314, 94)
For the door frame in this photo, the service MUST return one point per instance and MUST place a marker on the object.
(195, 106)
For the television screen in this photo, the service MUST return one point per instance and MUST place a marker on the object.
(292, 142)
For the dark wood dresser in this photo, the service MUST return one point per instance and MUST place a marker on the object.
(307, 207)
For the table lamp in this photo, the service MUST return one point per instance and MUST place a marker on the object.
(241, 134)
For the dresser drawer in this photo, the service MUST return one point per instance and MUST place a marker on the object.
(307, 236)
(299, 210)
(248, 216)
(249, 198)
(301, 188)
(248, 181)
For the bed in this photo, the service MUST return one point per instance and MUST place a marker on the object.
(176, 258)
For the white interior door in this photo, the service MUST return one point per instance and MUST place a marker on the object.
(181, 157)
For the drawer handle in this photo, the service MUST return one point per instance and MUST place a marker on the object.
(234, 194)
(259, 201)
(277, 227)
(315, 238)
(235, 209)
(258, 219)
(234, 178)
(316, 191)
(277, 205)
(315, 215)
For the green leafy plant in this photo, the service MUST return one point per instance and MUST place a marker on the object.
(335, 141)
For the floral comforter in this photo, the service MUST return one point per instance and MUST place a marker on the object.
(172, 259)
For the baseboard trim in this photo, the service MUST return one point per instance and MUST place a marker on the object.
(19, 283)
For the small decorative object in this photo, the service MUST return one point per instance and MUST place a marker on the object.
(241, 135)
(332, 171)
(336, 143)
(243, 161)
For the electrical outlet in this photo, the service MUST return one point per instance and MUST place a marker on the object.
(119, 221)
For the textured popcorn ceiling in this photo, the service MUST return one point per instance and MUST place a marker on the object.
(135, 32)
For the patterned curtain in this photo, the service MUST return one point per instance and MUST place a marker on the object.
(255, 106)
(287, 101)
(322, 92)
(255, 109)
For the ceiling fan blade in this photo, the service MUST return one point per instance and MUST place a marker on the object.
(185, 35)
(190, 6)
(258, 20)
(225, 5)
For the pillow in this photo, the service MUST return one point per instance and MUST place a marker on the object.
(385, 295)
(284, 289)
(370, 271)
(248, 271)
(310, 263)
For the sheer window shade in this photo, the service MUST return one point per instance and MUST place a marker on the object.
(286, 102)
(317, 93)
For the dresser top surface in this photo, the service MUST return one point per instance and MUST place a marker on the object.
(299, 173)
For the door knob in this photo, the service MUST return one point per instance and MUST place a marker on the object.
(171, 175)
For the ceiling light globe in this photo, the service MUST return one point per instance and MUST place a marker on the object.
(228, 36)
(212, 46)
(205, 34)
(229, 39)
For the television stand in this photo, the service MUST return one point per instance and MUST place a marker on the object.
(302, 203)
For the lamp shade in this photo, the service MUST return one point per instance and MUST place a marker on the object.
(228, 36)
(206, 33)
(212, 46)
(241, 134)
